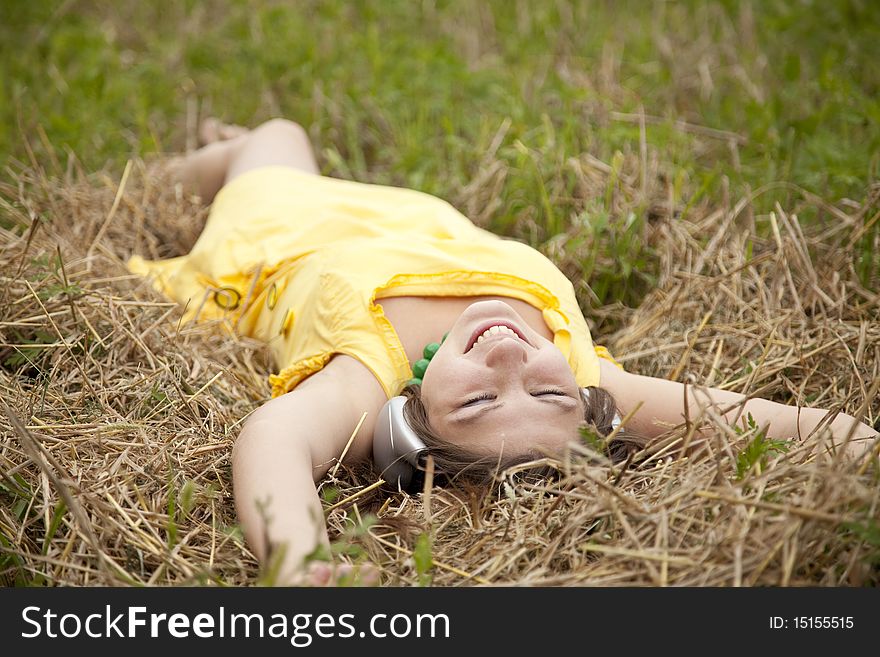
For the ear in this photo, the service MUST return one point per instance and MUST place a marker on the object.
(396, 447)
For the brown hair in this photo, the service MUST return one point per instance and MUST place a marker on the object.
(457, 464)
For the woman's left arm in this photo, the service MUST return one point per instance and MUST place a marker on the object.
(662, 404)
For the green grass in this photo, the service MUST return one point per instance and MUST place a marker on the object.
(413, 93)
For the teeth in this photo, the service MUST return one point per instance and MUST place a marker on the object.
(494, 330)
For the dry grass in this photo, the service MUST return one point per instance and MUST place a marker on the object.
(117, 424)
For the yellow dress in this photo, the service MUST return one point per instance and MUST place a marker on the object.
(299, 261)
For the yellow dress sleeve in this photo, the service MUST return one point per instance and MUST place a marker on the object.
(603, 352)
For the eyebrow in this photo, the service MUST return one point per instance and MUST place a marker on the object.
(473, 417)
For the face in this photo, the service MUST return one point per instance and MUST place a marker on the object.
(502, 390)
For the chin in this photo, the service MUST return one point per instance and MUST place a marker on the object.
(492, 309)
(491, 303)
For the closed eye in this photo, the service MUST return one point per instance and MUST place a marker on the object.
(474, 400)
(549, 392)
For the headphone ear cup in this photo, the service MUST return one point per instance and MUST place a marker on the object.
(396, 447)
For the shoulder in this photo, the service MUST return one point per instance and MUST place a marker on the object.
(344, 381)
(610, 375)
(341, 393)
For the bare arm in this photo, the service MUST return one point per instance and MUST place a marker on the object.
(663, 405)
(286, 446)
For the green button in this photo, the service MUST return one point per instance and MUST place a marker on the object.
(419, 368)
(430, 349)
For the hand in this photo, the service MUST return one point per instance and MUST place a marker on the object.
(324, 573)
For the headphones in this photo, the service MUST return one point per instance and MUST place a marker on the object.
(397, 450)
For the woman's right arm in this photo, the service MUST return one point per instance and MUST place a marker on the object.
(286, 446)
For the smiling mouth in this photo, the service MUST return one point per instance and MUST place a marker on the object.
(492, 329)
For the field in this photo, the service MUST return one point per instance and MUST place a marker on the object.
(705, 172)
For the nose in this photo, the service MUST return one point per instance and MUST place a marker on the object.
(507, 354)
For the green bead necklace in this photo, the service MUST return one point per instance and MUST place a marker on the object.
(421, 365)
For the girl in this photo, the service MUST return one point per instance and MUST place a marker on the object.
(365, 292)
